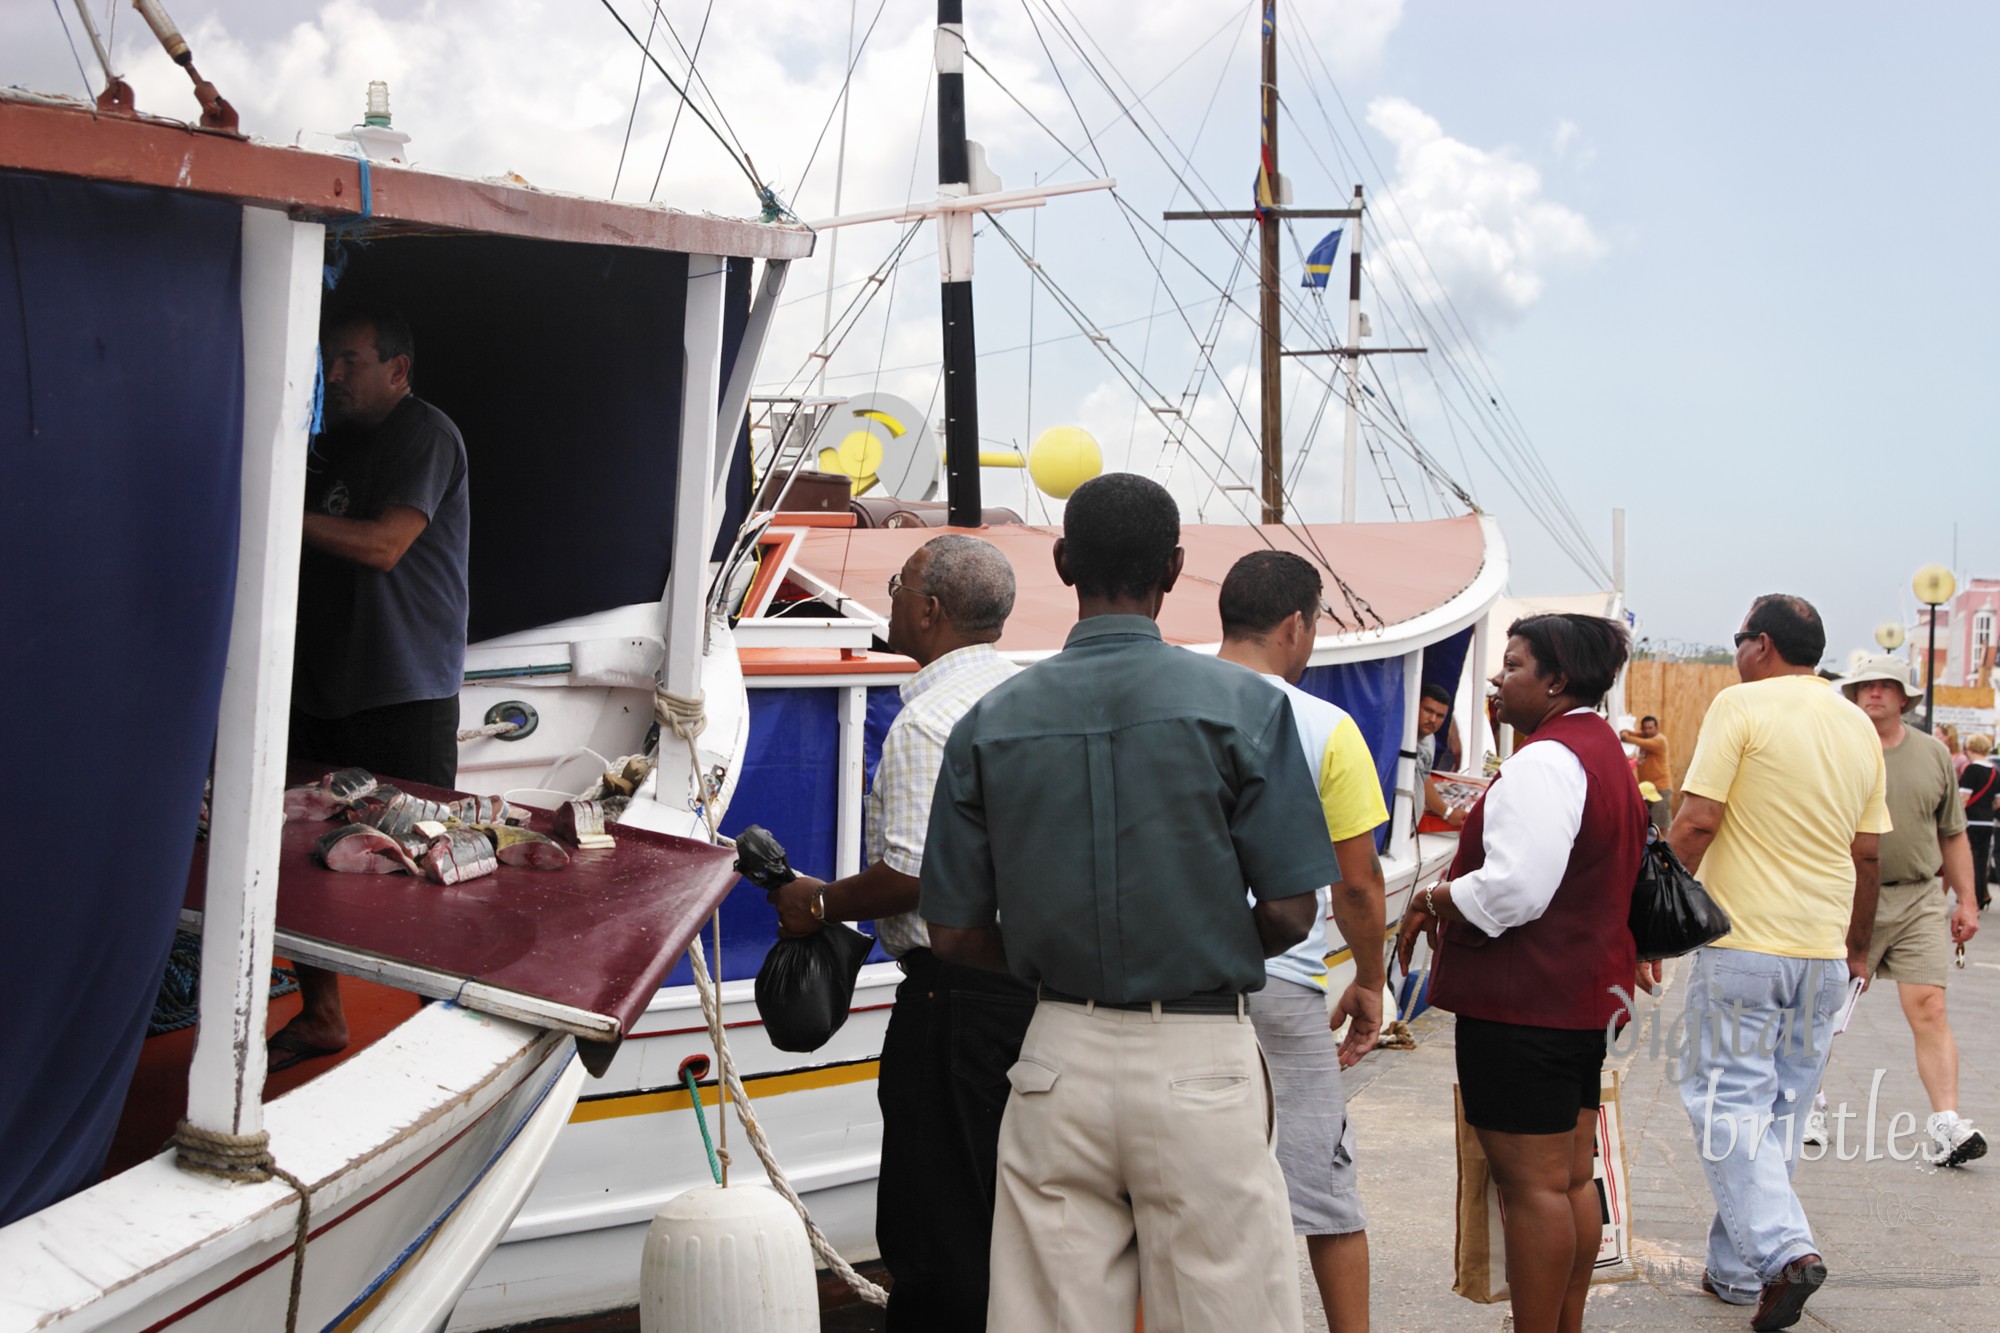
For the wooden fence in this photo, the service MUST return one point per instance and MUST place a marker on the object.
(1678, 693)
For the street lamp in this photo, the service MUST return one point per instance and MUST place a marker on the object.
(1890, 635)
(1933, 586)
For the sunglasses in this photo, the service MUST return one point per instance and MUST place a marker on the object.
(1744, 636)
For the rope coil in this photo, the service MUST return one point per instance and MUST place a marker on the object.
(683, 715)
(246, 1159)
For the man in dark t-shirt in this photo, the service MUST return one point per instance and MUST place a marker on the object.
(380, 649)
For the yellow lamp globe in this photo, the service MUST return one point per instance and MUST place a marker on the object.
(1890, 635)
(1933, 585)
(1062, 458)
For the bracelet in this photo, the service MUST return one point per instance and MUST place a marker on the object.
(1430, 903)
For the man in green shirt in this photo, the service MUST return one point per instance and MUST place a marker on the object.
(1140, 822)
(1914, 930)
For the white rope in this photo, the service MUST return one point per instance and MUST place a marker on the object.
(490, 729)
(686, 719)
(682, 715)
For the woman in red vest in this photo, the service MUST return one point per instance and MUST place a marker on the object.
(1531, 939)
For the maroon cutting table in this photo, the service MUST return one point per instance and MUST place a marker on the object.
(580, 949)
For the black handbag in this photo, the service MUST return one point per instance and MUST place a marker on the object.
(1672, 913)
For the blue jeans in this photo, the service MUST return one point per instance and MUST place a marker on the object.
(1759, 1026)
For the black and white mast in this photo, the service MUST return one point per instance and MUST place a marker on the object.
(955, 172)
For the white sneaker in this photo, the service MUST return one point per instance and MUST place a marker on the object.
(1816, 1129)
(1954, 1141)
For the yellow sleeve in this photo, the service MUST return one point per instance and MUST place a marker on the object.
(1717, 749)
(1350, 792)
(1875, 815)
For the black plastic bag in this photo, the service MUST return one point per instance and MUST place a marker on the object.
(806, 985)
(1672, 913)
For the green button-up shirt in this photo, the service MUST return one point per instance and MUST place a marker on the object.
(1111, 804)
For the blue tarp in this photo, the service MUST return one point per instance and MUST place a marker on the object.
(1444, 665)
(1372, 693)
(121, 404)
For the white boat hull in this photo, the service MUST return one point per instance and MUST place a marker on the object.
(412, 1150)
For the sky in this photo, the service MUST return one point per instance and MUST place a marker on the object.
(1721, 265)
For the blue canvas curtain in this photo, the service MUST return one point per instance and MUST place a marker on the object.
(121, 429)
(1444, 666)
(1372, 693)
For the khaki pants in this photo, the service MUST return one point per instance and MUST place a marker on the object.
(1136, 1156)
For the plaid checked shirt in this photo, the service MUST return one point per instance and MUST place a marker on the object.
(899, 804)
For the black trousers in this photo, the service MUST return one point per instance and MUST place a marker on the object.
(1981, 838)
(953, 1034)
(417, 741)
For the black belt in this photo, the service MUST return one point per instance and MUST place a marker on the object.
(1211, 1002)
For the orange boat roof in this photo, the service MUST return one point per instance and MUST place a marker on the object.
(1401, 570)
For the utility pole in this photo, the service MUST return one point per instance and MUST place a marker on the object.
(1272, 207)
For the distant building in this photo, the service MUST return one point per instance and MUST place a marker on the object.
(1968, 630)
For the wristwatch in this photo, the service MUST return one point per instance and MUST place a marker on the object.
(819, 904)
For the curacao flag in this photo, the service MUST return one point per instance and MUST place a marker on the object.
(1319, 264)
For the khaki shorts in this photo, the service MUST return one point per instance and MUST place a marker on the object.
(1912, 940)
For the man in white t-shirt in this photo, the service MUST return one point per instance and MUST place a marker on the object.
(1270, 605)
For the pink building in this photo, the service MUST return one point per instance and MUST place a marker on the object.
(1967, 629)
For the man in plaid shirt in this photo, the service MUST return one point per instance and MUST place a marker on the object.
(954, 1030)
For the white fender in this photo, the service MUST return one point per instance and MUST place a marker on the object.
(730, 1260)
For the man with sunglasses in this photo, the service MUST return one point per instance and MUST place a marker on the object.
(954, 1030)
(1783, 810)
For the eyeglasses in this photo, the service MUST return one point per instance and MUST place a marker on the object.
(896, 585)
(1744, 636)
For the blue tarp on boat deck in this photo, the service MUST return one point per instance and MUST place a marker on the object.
(121, 404)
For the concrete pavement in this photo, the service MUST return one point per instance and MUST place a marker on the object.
(1908, 1247)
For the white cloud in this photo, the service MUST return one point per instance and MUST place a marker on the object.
(1572, 147)
(1489, 235)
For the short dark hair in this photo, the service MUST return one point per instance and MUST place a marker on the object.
(392, 332)
(1792, 625)
(1586, 651)
(1436, 693)
(1120, 532)
(1648, 718)
(972, 581)
(1265, 588)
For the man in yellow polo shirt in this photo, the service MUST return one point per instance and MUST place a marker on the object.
(1782, 811)
(1270, 607)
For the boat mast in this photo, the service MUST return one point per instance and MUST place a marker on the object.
(1351, 431)
(961, 386)
(1268, 314)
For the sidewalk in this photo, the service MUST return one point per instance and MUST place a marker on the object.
(1908, 1247)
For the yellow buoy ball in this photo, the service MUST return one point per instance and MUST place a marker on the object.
(1062, 458)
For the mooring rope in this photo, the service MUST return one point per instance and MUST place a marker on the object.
(246, 1158)
(685, 717)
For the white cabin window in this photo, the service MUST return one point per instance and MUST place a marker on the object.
(1982, 632)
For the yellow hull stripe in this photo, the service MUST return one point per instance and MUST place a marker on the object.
(768, 1085)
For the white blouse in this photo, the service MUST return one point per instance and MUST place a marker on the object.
(1531, 823)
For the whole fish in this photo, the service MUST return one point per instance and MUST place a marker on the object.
(361, 850)
(458, 856)
(524, 847)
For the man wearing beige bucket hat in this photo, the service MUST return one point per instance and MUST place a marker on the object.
(1915, 928)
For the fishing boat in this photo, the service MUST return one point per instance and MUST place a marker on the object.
(159, 390)
(846, 490)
